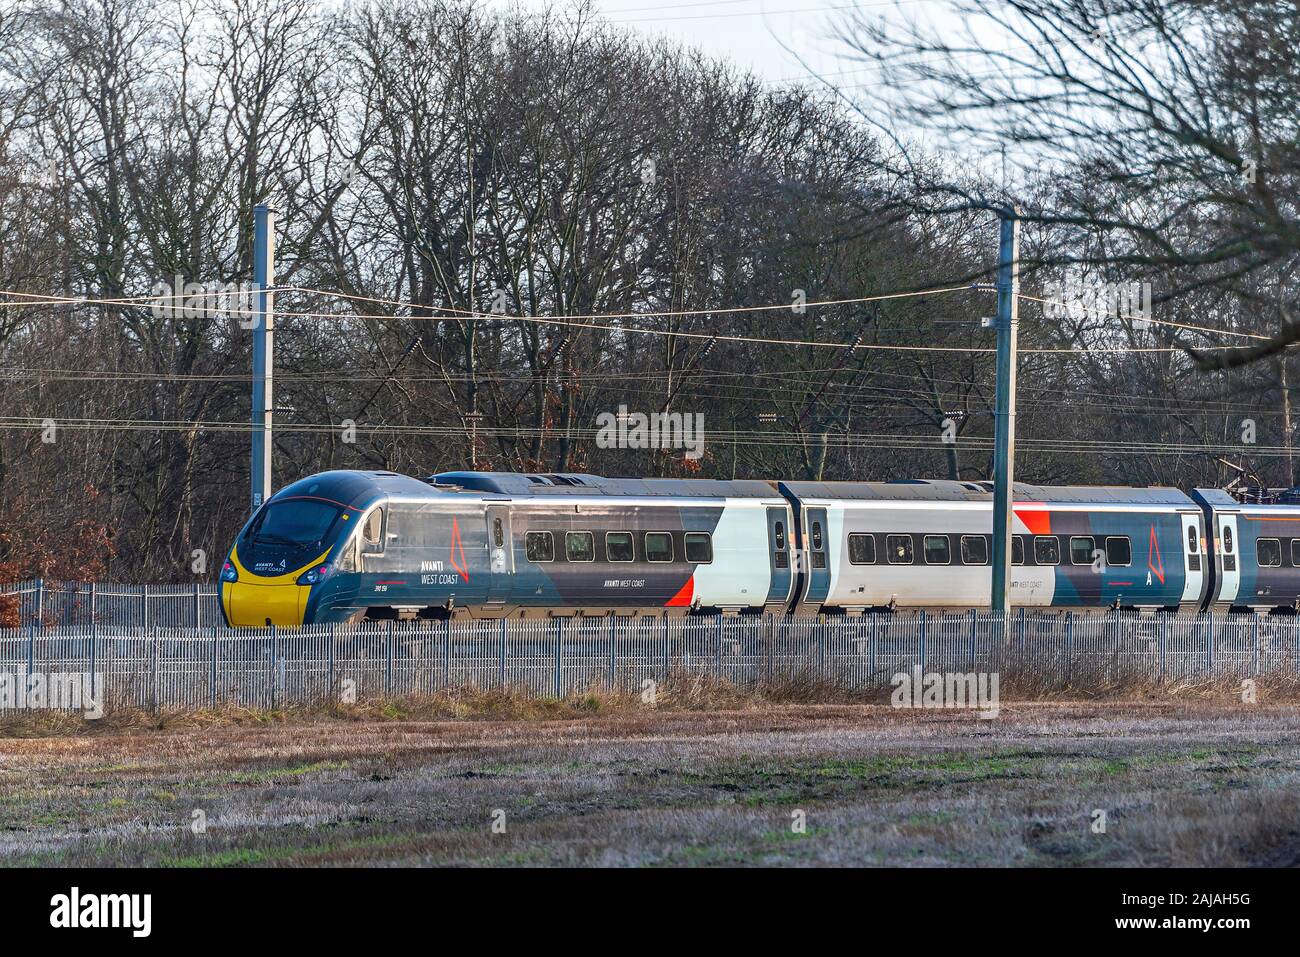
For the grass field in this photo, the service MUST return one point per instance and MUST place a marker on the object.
(1181, 783)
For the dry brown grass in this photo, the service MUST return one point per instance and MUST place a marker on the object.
(681, 691)
(1188, 782)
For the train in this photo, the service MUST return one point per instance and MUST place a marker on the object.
(350, 546)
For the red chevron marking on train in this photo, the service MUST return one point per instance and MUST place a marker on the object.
(684, 594)
(1038, 521)
(457, 544)
(1153, 558)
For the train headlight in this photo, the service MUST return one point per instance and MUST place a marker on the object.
(314, 576)
(228, 573)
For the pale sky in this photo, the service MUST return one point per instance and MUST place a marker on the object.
(772, 37)
(755, 34)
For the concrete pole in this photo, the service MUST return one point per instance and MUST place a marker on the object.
(1004, 453)
(263, 328)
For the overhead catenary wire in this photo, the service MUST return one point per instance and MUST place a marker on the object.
(750, 437)
(173, 300)
(1158, 322)
(743, 381)
(587, 321)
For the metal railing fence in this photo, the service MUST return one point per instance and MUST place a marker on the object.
(70, 604)
(177, 667)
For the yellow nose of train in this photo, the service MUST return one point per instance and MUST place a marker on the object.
(259, 600)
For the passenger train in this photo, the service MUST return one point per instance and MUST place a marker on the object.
(346, 546)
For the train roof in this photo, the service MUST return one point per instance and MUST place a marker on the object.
(1214, 496)
(942, 490)
(348, 486)
(1218, 498)
(581, 483)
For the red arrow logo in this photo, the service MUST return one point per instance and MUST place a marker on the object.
(456, 545)
(1153, 558)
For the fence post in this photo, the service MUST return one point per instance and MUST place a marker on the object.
(198, 615)
(717, 651)
(613, 652)
(770, 646)
(1069, 643)
(1209, 649)
(1020, 639)
(144, 606)
(1162, 639)
(40, 602)
(446, 652)
(1254, 641)
(216, 644)
(153, 670)
(921, 622)
(1115, 624)
(502, 675)
(821, 648)
(668, 659)
(974, 640)
(329, 674)
(93, 592)
(94, 639)
(388, 661)
(275, 663)
(871, 644)
(559, 657)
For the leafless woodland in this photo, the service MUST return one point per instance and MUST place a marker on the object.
(431, 159)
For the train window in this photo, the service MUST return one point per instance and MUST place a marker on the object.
(1047, 550)
(658, 547)
(1269, 552)
(373, 527)
(498, 533)
(1192, 543)
(937, 550)
(780, 536)
(899, 548)
(817, 536)
(618, 546)
(862, 549)
(1227, 539)
(1017, 550)
(699, 547)
(579, 546)
(1081, 547)
(974, 550)
(372, 532)
(1295, 552)
(539, 547)
(1118, 550)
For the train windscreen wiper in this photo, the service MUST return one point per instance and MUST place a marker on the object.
(278, 540)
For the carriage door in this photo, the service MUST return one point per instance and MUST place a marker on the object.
(1193, 560)
(819, 572)
(778, 547)
(501, 554)
(1227, 555)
